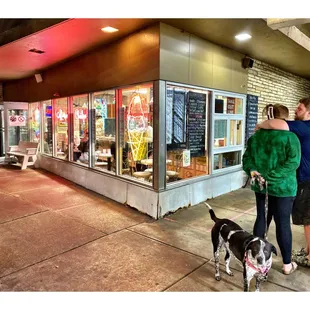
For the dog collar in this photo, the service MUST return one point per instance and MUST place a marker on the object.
(259, 270)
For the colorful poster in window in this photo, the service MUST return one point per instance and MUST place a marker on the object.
(48, 111)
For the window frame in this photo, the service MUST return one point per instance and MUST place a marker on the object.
(226, 116)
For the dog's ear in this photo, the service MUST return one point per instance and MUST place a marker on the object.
(274, 250)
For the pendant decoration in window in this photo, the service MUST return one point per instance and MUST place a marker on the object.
(137, 123)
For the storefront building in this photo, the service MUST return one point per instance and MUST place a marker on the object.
(155, 121)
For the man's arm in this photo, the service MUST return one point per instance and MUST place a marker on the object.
(278, 124)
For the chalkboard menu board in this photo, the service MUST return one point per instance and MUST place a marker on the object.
(169, 109)
(196, 123)
(251, 115)
(179, 117)
(178, 134)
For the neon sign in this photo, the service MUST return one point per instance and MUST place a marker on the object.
(79, 114)
(62, 116)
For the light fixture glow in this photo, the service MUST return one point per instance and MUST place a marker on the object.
(243, 36)
(109, 29)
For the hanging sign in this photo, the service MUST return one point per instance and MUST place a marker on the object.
(17, 120)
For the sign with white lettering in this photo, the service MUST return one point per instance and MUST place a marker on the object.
(196, 123)
(251, 116)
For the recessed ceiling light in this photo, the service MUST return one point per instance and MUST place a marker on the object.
(109, 29)
(243, 36)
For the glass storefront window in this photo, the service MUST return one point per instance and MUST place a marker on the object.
(105, 149)
(220, 133)
(80, 149)
(34, 121)
(228, 105)
(136, 131)
(47, 127)
(186, 132)
(228, 128)
(225, 160)
(61, 128)
(236, 129)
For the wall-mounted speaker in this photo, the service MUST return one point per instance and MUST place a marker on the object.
(247, 62)
(38, 77)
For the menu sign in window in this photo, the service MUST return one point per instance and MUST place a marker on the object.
(169, 109)
(196, 123)
(251, 115)
(230, 105)
(178, 130)
(179, 117)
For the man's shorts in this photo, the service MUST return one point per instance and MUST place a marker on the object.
(301, 207)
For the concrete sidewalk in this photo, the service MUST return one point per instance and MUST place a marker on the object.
(57, 236)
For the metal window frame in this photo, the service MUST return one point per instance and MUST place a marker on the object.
(54, 127)
(221, 116)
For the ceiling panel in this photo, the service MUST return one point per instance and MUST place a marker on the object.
(59, 43)
(73, 37)
(270, 46)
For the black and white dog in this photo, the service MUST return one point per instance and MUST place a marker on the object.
(254, 253)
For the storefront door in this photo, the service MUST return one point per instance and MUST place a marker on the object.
(15, 123)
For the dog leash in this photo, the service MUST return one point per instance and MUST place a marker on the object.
(266, 210)
(263, 183)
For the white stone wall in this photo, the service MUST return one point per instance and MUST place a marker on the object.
(273, 85)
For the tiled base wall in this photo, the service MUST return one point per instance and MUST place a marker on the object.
(192, 194)
(145, 200)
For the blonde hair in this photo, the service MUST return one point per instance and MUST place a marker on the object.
(276, 111)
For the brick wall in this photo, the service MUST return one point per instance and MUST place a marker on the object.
(273, 85)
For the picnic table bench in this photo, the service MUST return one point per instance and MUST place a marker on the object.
(24, 154)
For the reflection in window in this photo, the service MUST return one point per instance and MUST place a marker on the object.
(220, 133)
(228, 105)
(61, 130)
(47, 127)
(186, 132)
(80, 129)
(236, 129)
(225, 160)
(104, 105)
(228, 128)
(34, 121)
(136, 131)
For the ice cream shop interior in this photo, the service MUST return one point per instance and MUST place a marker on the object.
(155, 119)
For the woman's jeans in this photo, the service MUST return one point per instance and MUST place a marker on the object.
(279, 208)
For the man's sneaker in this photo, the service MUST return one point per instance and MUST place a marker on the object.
(301, 252)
